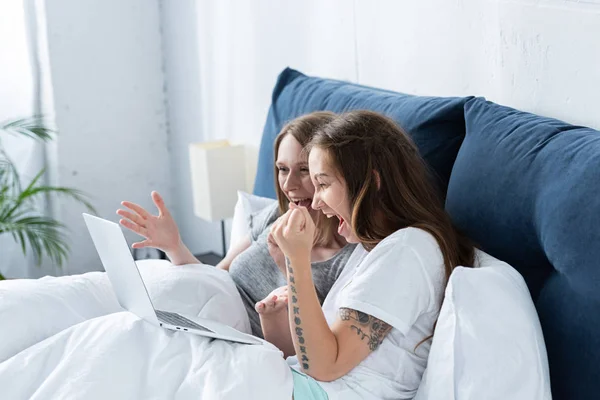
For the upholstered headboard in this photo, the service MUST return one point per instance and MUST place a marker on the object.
(436, 124)
(525, 188)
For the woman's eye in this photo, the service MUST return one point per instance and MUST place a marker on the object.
(304, 170)
(282, 169)
(322, 185)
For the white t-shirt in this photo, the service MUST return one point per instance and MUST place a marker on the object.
(401, 282)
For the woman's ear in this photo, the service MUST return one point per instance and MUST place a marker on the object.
(377, 179)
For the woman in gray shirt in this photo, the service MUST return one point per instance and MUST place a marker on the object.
(255, 263)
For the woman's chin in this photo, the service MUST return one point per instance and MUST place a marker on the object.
(352, 239)
(314, 213)
(346, 232)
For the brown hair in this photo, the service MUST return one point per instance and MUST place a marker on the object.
(303, 129)
(388, 183)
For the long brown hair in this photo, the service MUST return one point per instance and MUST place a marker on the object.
(388, 183)
(303, 129)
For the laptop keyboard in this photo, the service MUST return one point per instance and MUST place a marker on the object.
(177, 320)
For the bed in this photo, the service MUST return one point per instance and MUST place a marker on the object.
(524, 187)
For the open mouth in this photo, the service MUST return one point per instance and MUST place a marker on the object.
(302, 202)
(341, 226)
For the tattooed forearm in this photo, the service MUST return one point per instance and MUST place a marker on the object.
(297, 326)
(368, 327)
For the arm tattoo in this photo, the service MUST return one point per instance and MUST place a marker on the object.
(302, 356)
(366, 326)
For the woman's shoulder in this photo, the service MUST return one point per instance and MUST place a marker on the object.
(410, 236)
(415, 240)
(260, 220)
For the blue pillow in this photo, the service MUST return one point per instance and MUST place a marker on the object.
(527, 190)
(436, 124)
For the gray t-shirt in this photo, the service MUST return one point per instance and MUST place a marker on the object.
(256, 274)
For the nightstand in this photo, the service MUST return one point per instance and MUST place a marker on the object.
(209, 258)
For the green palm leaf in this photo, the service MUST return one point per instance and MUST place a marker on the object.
(18, 216)
(9, 177)
(44, 235)
(33, 127)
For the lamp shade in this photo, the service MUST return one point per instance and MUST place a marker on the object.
(218, 172)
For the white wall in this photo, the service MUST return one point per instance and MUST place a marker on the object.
(16, 101)
(114, 64)
(16, 86)
(179, 28)
(222, 61)
(107, 74)
(537, 55)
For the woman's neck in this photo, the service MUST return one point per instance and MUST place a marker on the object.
(335, 242)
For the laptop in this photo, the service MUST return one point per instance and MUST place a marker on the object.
(132, 294)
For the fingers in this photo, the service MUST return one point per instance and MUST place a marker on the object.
(278, 226)
(138, 209)
(272, 245)
(160, 204)
(297, 221)
(283, 220)
(294, 220)
(272, 301)
(271, 304)
(282, 291)
(132, 217)
(134, 227)
(271, 239)
(142, 244)
(304, 210)
(275, 232)
(266, 305)
(280, 304)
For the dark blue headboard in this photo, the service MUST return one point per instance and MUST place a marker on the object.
(527, 189)
(435, 123)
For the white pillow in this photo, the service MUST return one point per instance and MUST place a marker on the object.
(488, 342)
(246, 204)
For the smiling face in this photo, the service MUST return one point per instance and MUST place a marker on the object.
(292, 173)
(331, 193)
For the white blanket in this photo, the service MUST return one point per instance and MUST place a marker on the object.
(68, 338)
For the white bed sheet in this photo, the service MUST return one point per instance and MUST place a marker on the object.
(68, 337)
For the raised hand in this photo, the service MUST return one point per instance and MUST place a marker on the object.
(276, 301)
(160, 231)
(294, 233)
(277, 254)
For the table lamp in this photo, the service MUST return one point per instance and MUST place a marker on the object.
(218, 171)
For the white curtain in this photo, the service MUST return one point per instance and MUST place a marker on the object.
(23, 93)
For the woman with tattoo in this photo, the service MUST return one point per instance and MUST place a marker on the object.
(255, 263)
(371, 337)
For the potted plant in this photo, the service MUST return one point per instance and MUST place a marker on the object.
(45, 236)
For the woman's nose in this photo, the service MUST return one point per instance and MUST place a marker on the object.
(290, 182)
(316, 203)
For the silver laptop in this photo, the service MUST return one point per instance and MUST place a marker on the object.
(131, 291)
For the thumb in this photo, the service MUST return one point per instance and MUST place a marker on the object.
(297, 221)
(141, 245)
(160, 203)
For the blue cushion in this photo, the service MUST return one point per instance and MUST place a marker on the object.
(436, 124)
(527, 190)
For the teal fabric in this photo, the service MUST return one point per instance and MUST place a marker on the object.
(306, 388)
